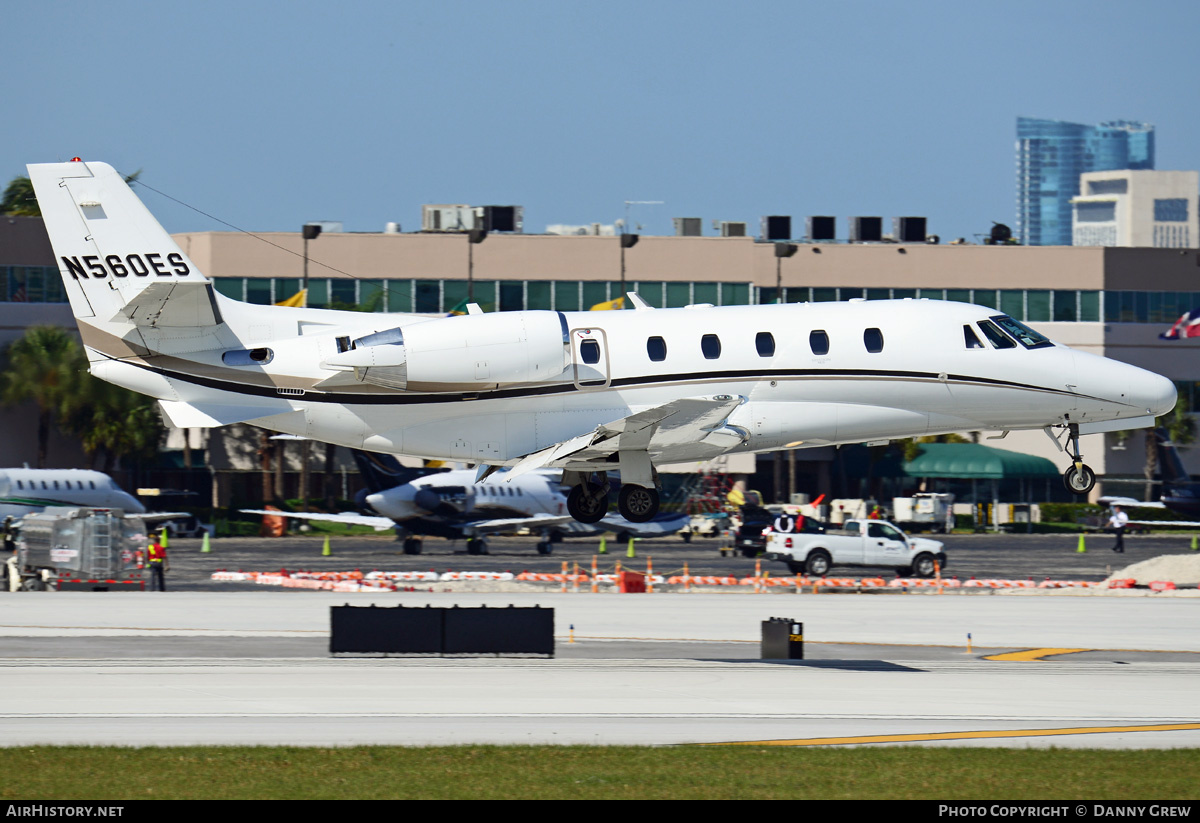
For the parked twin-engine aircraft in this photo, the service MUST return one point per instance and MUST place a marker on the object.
(1180, 494)
(587, 393)
(450, 504)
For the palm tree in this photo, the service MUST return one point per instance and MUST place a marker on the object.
(43, 366)
(19, 200)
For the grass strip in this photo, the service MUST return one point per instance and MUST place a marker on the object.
(602, 772)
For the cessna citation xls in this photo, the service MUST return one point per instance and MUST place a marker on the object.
(587, 393)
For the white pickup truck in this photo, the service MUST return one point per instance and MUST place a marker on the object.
(858, 543)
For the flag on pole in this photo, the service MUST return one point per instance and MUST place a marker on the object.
(1186, 326)
(297, 300)
(609, 305)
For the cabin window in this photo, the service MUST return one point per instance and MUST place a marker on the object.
(92, 483)
(589, 351)
(971, 339)
(656, 349)
(710, 345)
(873, 340)
(997, 338)
(44, 486)
(1024, 335)
(248, 357)
(764, 341)
(818, 341)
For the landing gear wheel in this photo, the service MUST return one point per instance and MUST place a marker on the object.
(412, 545)
(637, 504)
(477, 545)
(545, 547)
(588, 506)
(686, 535)
(1079, 480)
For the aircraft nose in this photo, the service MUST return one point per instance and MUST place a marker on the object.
(1144, 390)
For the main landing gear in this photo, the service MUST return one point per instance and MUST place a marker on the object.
(1079, 478)
(587, 501)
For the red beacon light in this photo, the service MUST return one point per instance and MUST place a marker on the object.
(76, 159)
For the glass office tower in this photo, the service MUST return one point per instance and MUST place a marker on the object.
(1052, 154)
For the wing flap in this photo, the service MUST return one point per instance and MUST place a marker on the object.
(685, 420)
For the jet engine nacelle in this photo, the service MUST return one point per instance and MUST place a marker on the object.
(466, 353)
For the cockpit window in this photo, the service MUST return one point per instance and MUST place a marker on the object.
(388, 337)
(1026, 336)
(997, 338)
(971, 339)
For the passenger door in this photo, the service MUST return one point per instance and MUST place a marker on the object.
(589, 356)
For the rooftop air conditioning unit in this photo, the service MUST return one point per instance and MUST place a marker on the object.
(447, 218)
(687, 227)
(731, 229)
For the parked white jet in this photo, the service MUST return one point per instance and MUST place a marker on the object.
(451, 505)
(30, 490)
(587, 393)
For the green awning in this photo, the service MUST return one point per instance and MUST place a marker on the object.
(976, 461)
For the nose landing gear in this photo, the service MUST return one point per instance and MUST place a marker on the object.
(1079, 478)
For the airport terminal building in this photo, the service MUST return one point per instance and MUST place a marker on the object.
(1109, 301)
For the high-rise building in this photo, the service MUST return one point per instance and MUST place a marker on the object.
(1051, 154)
(1155, 209)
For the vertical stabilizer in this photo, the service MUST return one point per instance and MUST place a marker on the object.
(117, 263)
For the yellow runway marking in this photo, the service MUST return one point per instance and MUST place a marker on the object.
(920, 738)
(1033, 654)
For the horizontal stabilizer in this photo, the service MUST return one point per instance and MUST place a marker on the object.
(185, 415)
(191, 304)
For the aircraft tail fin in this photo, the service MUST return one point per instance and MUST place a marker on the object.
(118, 264)
(383, 471)
(1170, 465)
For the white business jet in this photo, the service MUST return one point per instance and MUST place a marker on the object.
(23, 491)
(452, 505)
(587, 393)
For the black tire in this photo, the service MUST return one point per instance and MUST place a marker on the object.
(544, 547)
(924, 565)
(818, 563)
(587, 508)
(686, 535)
(1079, 481)
(750, 552)
(637, 504)
(412, 545)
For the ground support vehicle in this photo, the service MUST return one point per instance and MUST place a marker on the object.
(924, 511)
(858, 543)
(81, 549)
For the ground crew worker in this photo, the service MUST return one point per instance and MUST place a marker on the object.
(158, 565)
(876, 514)
(10, 555)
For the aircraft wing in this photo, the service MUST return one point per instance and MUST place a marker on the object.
(1129, 503)
(506, 523)
(659, 526)
(349, 518)
(154, 517)
(685, 420)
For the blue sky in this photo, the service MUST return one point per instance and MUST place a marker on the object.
(269, 115)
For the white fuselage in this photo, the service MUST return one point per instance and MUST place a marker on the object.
(30, 490)
(925, 380)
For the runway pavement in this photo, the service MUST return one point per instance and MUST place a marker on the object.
(253, 667)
